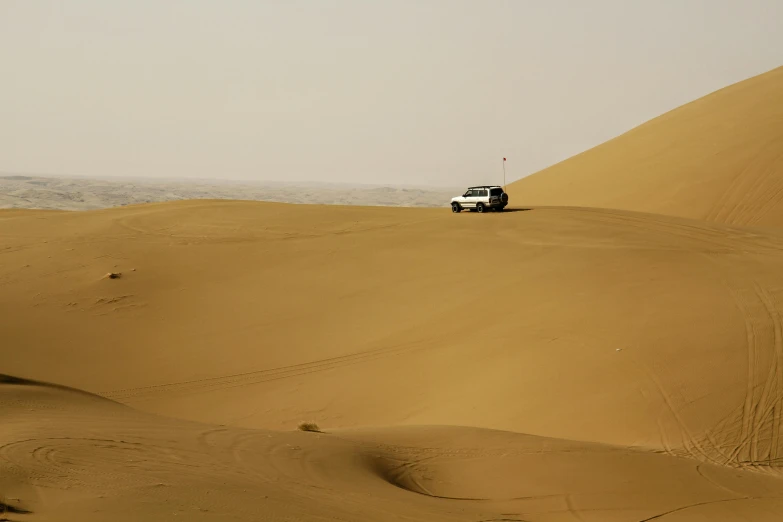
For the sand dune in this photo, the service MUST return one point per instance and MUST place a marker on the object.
(657, 336)
(547, 364)
(92, 459)
(719, 158)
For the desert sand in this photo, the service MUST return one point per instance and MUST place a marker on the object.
(718, 159)
(586, 357)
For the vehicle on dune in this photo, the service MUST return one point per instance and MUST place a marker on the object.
(481, 198)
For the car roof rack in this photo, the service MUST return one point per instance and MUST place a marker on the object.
(485, 186)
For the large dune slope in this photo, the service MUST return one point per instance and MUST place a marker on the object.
(719, 158)
(654, 335)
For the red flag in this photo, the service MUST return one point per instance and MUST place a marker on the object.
(504, 159)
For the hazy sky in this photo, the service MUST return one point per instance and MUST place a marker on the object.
(379, 91)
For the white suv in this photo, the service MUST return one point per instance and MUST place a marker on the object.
(480, 199)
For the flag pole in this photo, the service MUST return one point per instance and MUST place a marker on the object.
(504, 174)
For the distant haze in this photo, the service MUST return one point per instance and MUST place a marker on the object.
(403, 91)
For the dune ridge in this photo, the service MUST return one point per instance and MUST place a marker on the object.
(717, 159)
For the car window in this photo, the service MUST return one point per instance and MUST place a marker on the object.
(495, 191)
(482, 193)
(471, 193)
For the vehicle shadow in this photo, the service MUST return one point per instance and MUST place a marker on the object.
(505, 210)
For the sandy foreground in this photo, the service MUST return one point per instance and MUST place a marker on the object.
(545, 364)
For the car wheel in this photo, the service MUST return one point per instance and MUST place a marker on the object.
(479, 207)
(456, 208)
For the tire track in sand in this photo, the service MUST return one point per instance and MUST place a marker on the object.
(757, 443)
(210, 384)
(773, 385)
(748, 406)
(708, 236)
(691, 444)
